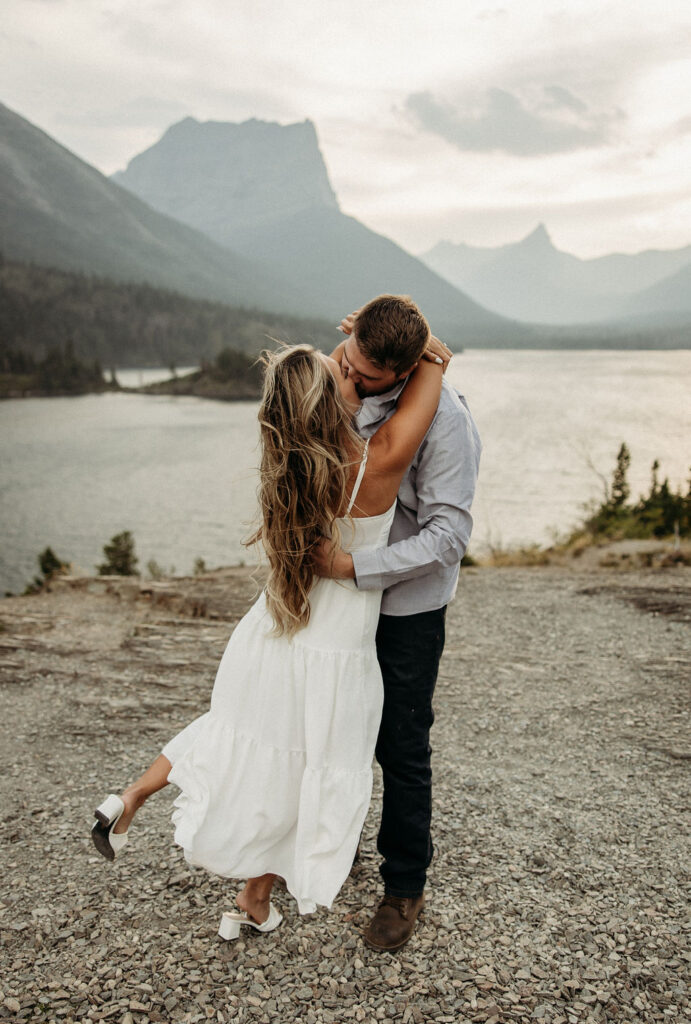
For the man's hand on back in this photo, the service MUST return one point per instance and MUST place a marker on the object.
(331, 562)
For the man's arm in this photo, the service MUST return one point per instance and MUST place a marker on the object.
(445, 483)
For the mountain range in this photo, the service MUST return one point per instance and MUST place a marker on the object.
(534, 281)
(245, 214)
(280, 242)
(263, 190)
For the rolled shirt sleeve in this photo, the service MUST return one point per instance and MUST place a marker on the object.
(433, 522)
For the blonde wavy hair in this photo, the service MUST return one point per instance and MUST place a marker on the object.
(308, 447)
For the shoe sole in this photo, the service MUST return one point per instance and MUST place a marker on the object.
(99, 834)
(386, 949)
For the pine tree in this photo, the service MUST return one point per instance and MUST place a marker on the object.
(620, 487)
(120, 557)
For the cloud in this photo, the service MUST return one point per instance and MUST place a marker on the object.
(138, 112)
(491, 14)
(558, 122)
(682, 127)
(562, 98)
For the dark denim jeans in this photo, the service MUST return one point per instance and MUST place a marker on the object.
(409, 648)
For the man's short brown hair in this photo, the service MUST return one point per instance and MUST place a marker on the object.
(391, 332)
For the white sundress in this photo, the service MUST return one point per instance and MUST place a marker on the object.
(277, 775)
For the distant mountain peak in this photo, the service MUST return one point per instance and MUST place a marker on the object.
(538, 237)
(537, 241)
(246, 173)
(251, 124)
(189, 120)
(533, 280)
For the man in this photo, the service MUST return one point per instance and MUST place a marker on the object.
(418, 572)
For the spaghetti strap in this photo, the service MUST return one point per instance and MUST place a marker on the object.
(358, 479)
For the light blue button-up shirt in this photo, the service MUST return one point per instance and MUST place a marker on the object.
(418, 571)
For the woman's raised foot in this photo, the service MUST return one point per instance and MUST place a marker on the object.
(113, 817)
(132, 801)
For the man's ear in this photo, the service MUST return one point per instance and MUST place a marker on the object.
(406, 373)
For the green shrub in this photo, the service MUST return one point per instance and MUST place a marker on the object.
(154, 570)
(50, 565)
(660, 513)
(120, 557)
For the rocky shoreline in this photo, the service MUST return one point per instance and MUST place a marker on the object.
(561, 783)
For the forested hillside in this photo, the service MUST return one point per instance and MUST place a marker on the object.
(56, 210)
(131, 324)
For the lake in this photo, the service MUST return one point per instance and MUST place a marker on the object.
(180, 473)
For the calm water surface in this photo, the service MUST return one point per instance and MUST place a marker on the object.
(180, 473)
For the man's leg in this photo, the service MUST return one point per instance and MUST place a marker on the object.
(409, 648)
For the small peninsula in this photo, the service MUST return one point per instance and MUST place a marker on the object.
(233, 376)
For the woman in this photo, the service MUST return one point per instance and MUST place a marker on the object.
(276, 777)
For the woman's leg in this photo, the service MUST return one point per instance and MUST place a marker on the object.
(153, 779)
(254, 898)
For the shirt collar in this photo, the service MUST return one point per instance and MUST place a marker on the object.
(375, 407)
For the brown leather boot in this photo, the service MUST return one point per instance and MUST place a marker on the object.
(394, 922)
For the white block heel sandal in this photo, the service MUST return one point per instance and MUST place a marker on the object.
(108, 814)
(233, 920)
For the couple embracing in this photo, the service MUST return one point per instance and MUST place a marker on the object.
(369, 460)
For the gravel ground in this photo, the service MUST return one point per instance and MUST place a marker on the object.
(556, 893)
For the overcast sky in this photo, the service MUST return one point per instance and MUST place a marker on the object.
(451, 119)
